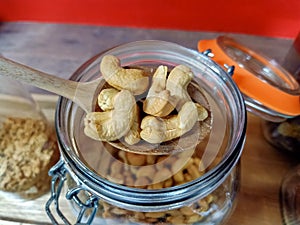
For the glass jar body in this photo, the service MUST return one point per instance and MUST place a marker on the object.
(214, 208)
(28, 146)
(291, 61)
(286, 135)
(98, 194)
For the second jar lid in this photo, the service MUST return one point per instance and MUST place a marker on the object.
(268, 89)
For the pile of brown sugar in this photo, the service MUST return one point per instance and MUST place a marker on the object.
(28, 149)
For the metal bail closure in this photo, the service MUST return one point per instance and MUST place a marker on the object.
(268, 89)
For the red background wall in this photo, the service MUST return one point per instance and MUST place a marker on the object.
(277, 18)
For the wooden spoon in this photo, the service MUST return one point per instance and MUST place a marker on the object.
(84, 94)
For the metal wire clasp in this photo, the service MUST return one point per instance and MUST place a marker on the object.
(59, 176)
(210, 54)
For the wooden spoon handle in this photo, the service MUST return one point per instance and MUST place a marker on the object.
(37, 78)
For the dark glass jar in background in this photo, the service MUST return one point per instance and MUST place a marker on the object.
(286, 135)
(283, 135)
(292, 60)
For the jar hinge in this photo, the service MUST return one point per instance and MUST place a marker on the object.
(210, 54)
(90, 203)
(59, 176)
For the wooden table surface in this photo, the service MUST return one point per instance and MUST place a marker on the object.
(59, 49)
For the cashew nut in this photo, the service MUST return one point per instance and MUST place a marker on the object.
(133, 135)
(157, 130)
(177, 83)
(202, 112)
(105, 102)
(134, 80)
(106, 98)
(159, 102)
(113, 124)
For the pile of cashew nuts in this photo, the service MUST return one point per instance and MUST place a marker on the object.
(165, 114)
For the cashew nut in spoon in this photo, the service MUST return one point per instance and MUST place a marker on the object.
(177, 83)
(157, 130)
(167, 93)
(133, 136)
(106, 100)
(132, 79)
(159, 101)
(113, 124)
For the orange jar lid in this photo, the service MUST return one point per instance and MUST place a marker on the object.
(269, 86)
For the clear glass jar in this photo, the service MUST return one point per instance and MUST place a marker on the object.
(28, 146)
(291, 61)
(285, 135)
(270, 91)
(197, 186)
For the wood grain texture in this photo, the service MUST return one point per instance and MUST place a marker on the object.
(60, 49)
(262, 170)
